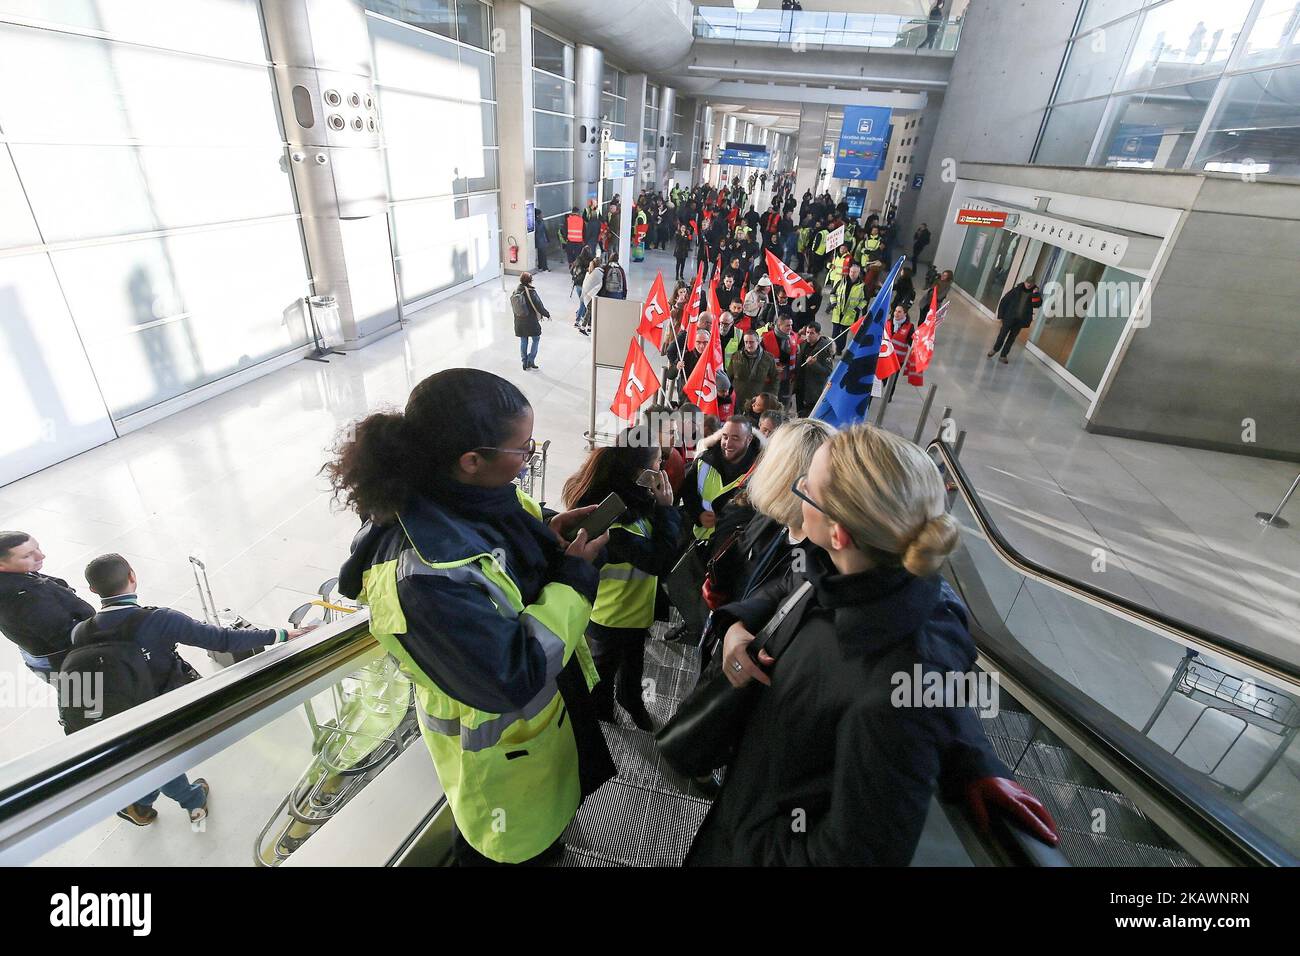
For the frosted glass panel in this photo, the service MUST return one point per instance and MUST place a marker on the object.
(143, 189)
(52, 407)
(230, 28)
(162, 316)
(105, 91)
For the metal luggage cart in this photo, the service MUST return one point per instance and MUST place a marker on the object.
(372, 721)
(1240, 698)
(532, 478)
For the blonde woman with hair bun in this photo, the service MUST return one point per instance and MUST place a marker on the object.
(838, 732)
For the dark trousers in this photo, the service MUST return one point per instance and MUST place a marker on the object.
(619, 656)
(841, 337)
(189, 795)
(1007, 336)
(571, 250)
(681, 268)
(541, 260)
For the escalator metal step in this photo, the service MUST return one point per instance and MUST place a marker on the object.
(636, 826)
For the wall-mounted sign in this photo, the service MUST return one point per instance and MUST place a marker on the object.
(744, 157)
(918, 180)
(981, 217)
(856, 197)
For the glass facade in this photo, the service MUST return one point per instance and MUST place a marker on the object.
(130, 220)
(1179, 84)
(437, 99)
(553, 92)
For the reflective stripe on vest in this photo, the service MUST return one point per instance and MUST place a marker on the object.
(711, 488)
(511, 779)
(627, 594)
(488, 733)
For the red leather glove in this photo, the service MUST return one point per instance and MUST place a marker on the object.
(1024, 809)
(712, 599)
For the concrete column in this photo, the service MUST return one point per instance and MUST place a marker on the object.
(812, 135)
(586, 123)
(636, 94)
(324, 78)
(664, 136)
(909, 199)
(514, 80)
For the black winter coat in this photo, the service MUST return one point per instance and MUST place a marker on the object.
(1017, 307)
(38, 613)
(530, 324)
(829, 772)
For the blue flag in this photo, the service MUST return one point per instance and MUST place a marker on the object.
(848, 394)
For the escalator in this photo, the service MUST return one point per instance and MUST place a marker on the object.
(1151, 742)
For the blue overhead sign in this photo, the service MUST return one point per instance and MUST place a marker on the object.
(856, 197)
(744, 157)
(863, 142)
(918, 180)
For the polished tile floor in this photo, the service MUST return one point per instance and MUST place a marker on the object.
(235, 481)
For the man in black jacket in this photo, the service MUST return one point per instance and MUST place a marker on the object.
(812, 368)
(37, 612)
(1015, 312)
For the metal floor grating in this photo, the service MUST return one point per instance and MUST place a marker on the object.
(648, 814)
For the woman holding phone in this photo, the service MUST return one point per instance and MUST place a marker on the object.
(642, 546)
(483, 605)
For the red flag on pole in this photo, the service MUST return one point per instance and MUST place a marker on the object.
(922, 351)
(701, 389)
(691, 314)
(782, 275)
(715, 306)
(637, 386)
(887, 362)
(656, 320)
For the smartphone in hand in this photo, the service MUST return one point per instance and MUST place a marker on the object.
(598, 522)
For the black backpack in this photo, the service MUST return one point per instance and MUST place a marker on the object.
(106, 673)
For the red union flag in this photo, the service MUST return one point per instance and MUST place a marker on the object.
(785, 277)
(691, 314)
(714, 306)
(887, 362)
(922, 351)
(656, 321)
(637, 386)
(701, 389)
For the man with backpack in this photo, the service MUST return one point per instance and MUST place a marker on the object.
(614, 285)
(126, 654)
(528, 310)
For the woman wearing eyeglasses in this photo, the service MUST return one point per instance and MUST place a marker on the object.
(642, 547)
(836, 766)
(484, 606)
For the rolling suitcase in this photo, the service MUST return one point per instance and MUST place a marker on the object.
(223, 618)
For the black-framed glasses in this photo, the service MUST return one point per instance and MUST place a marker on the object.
(797, 490)
(527, 452)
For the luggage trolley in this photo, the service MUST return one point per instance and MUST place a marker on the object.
(532, 478)
(372, 723)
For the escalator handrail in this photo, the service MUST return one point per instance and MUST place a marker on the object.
(1163, 778)
(234, 692)
(1185, 633)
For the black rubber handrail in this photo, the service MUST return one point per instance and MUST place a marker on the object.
(1191, 796)
(1207, 640)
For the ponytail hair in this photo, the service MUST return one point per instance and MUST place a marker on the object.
(390, 457)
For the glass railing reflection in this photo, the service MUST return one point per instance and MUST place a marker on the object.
(1236, 731)
(808, 30)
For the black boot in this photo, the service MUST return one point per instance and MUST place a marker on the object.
(629, 686)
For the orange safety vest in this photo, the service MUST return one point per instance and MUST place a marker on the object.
(573, 228)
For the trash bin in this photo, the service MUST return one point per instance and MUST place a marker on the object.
(326, 325)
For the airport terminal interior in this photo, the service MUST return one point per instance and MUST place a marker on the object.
(230, 230)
